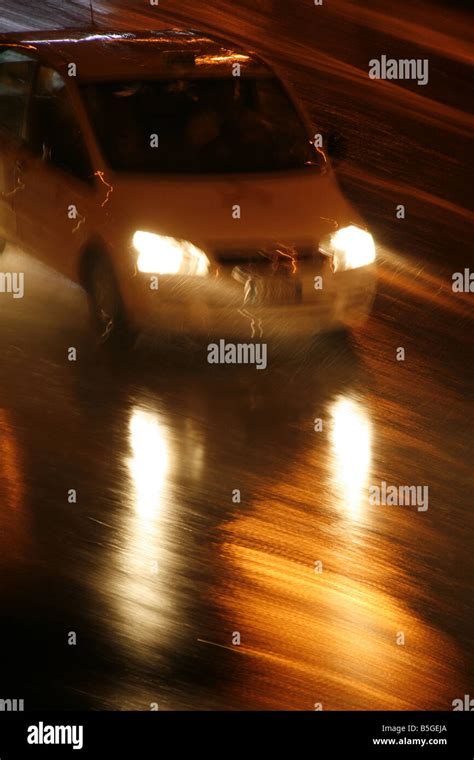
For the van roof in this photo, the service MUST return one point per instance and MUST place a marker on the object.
(102, 55)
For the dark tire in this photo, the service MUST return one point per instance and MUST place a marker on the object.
(109, 320)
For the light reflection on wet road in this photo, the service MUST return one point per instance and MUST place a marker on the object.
(155, 567)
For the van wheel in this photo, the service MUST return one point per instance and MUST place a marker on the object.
(108, 316)
(3, 244)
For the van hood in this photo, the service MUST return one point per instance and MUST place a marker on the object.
(215, 210)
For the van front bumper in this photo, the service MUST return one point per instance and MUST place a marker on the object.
(311, 301)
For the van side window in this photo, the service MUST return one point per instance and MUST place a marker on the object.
(16, 75)
(54, 131)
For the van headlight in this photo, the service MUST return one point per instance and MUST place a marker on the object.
(349, 248)
(158, 254)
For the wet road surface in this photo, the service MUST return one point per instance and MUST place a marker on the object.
(157, 567)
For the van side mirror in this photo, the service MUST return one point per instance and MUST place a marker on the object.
(46, 153)
(336, 145)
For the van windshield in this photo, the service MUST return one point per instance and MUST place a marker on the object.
(199, 125)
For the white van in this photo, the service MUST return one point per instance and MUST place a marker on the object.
(178, 180)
